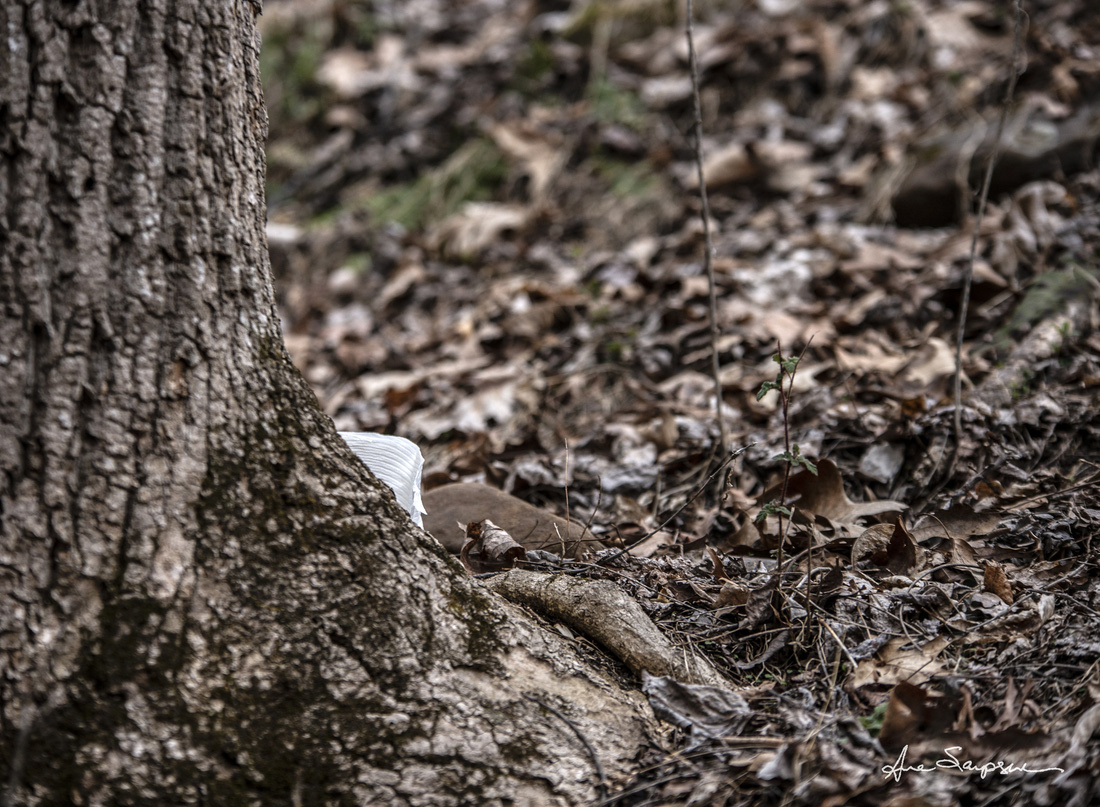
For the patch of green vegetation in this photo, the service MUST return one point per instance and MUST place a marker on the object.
(359, 262)
(627, 21)
(1065, 337)
(365, 25)
(619, 347)
(405, 204)
(289, 60)
(534, 68)
(614, 350)
(326, 218)
(600, 314)
(472, 174)
(610, 104)
(1023, 388)
(873, 721)
(627, 180)
(583, 22)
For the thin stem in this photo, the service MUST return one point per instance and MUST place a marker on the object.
(969, 277)
(707, 261)
(784, 403)
(785, 399)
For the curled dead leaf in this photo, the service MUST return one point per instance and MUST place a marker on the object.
(732, 594)
(996, 581)
(729, 165)
(888, 546)
(914, 712)
(719, 569)
(489, 548)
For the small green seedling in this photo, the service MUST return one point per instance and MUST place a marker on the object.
(792, 456)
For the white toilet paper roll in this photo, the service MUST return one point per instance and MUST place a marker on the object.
(397, 462)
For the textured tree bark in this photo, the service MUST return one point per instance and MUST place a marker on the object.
(204, 597)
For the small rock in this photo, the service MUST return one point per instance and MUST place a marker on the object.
(882, 462)
(344, 281)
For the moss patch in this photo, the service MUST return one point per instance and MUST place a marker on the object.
(1046, 295)
(472, 174)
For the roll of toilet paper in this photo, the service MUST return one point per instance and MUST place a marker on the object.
(397, 462)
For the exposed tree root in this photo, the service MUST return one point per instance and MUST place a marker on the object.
(605, 613)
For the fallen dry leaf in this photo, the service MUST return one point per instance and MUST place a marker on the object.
(892, 664)
(823, 494)
(996, 580)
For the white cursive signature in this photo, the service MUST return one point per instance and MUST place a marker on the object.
(951, 762)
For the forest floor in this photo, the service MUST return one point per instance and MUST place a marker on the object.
(486, 232)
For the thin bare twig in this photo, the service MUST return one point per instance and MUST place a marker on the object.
(567, 479)
(969, 278)
(708, 263)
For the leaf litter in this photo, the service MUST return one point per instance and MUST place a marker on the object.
(486, 238)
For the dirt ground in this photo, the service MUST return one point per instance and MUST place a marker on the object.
(485, 226)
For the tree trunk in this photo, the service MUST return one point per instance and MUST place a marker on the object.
(205, 597)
